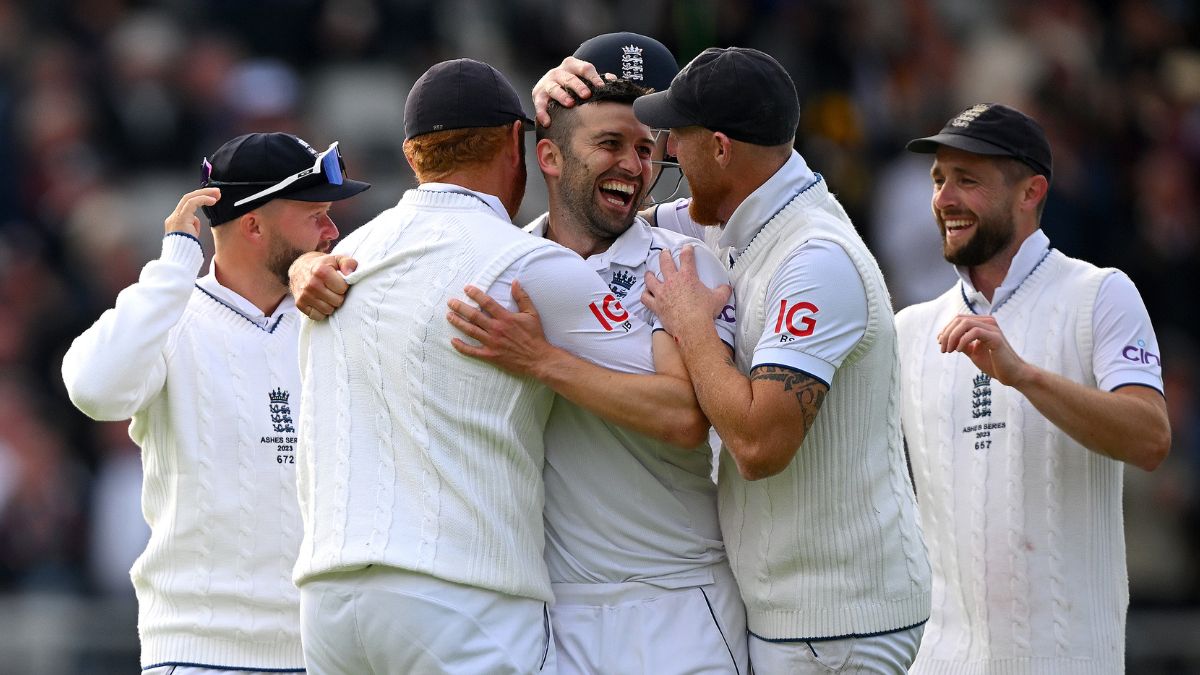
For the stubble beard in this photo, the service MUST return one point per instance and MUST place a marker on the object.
(283, 254)
(578, 194)
(993, 233)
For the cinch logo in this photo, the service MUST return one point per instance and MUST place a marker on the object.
(1139, 354)
(787, 318)
(611, 314)
(727, 314)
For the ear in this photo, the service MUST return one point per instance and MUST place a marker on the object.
(549, 157)
(1034, 192)
(722, 149)
(250, 225)
(517, 137)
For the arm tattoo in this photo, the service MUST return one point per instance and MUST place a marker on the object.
(810, 392)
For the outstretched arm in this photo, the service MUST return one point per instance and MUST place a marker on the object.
(1129, 424)
(516, 342)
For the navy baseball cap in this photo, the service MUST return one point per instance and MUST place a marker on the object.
(461, 94)
(741, 92)
(993, 129)
(253, 169)
(637, 58)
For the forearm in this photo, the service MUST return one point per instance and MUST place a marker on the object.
(657, 405)
(1129, 425)
(724, 393)
(117, 365)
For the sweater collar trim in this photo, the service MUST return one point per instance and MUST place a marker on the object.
(491, 201)
(1029, 256)
(241, 306)
(769, 199)
(631, 249)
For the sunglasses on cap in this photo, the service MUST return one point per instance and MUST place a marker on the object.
(328, 164)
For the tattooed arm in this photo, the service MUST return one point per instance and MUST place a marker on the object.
(762, 419)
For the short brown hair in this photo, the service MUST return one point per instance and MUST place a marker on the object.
(1015, 171)
(438, 154)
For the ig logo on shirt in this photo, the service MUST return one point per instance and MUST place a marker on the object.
(795, 322)
(611, 314)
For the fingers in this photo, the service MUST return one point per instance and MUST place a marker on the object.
(464, 312)
(524, 302)
(467, 324)
(486, 302)
(183, 218)
(467, 349)
(346, 264)
(570, 79)
(722, 294)
(959, 334)
(666, 264)
(687, 260)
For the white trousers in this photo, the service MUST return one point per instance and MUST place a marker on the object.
(385, 620)
(635, 628)
(890, 653)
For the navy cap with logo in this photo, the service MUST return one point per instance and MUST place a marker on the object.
(637, 58)
(461, 94)
(253, 169)
(993, 129)
(741, 92)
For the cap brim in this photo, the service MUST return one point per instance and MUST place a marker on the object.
(658, 111)
(327, 192)
(930, 145)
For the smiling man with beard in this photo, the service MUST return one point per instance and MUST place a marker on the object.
(208, 370)
(1027, 387)
(815, 503)
(633, 545)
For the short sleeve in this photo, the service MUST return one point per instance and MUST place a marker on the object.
(1125, 347)
(816, 311)
(578, 311)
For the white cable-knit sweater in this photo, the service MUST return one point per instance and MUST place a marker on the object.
(830, 546)
(417, 457)
(214, 398)
(1024, 525)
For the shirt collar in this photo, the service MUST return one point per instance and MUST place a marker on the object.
(237, 303)
(492, 201)
(1032, 251)
(753, 213)
(631, 249)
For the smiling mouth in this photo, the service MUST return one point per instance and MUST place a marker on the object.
(958, 224)
(617, 193)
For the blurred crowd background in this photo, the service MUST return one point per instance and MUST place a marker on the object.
(107, 107)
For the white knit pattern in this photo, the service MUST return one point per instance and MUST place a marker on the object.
(846, 495)
(1027, 530)
(212, 584)
(433, 460)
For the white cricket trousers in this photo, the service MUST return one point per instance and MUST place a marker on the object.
(387, 620)
(887, 654)
(635, 628)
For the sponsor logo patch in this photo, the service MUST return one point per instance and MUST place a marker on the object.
(611, 314)
(795, 323)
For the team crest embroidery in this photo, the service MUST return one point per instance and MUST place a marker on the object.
(981, 396)
(632, 66)
(281, 412)
(967, 116)
(621, 283)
